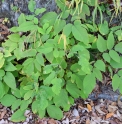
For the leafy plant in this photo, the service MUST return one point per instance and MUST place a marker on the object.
(46, 63)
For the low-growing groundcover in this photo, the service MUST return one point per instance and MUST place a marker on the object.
(46, 63)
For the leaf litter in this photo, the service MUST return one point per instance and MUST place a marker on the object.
(82, 112)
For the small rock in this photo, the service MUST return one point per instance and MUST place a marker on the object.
(75, 113)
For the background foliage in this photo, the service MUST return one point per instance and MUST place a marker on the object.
(46, 63)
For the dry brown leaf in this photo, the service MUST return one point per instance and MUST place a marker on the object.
(88, 121)
(52, 121)
(98, 109)
(112, 109)
(109, 115)
(2, 113)
(119, 104)
(89, 107)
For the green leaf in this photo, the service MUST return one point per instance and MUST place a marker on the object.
(89, 83)
(39, 11)
(9, 79)
(99, 64)
(97, 74)
(21, 19)
(120, 73)
(80, 33)
(116, 82)
(24, 105)
(49, 30)
(2, 72)
(37, 65)
(28, 95)
(110, 41)
(56, 88)
(59, 25)
(46, 48)
(106, 57)
(101, 44)
(29, 53)
(18, 116)
(35, 106)
(43, 103)
(45, 26)
(49, 17)
(56, 53)
(10, 67)
(103, 28)
(120, 87)
(73, 89)
(8, 100)
(61, 4)
(54, 112)
(114, 55)
(115, 64)
(67, 29)
(61, 99)
(27, 26)
(2, 92)
(14, 37)
(119, 34)
(31, 5)
(85, 9)
(40, 59)
(118, 47)
(35, 20)
(47, 80)
(40, 30)
(16, 93)
(16, 104)
(41, 113)
(2, 62)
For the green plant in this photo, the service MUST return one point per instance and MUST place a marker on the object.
(45, 64)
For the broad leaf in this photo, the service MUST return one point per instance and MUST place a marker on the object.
(80, 33)
(101, 44)
(61, 99)
(8, 100)
(9, 79)
(67, 29)
(40, 59)
(18, 116)
(31, 5)
(106, 57)
(54, 112)
(10, 67)
(49, 17)
(99, 64)
(89, 83)
(28, 95)
(114, 55)
(116, 82)
(97, 74)
(2, 92)
(118, 47)
(110, 41)
(103, 28)
(73, 89)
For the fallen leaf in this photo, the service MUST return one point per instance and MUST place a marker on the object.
(109, 115)
(112, 109)
(52, 121)
(88, 121)
(119, 104)
(98, 109)
(89, 107)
